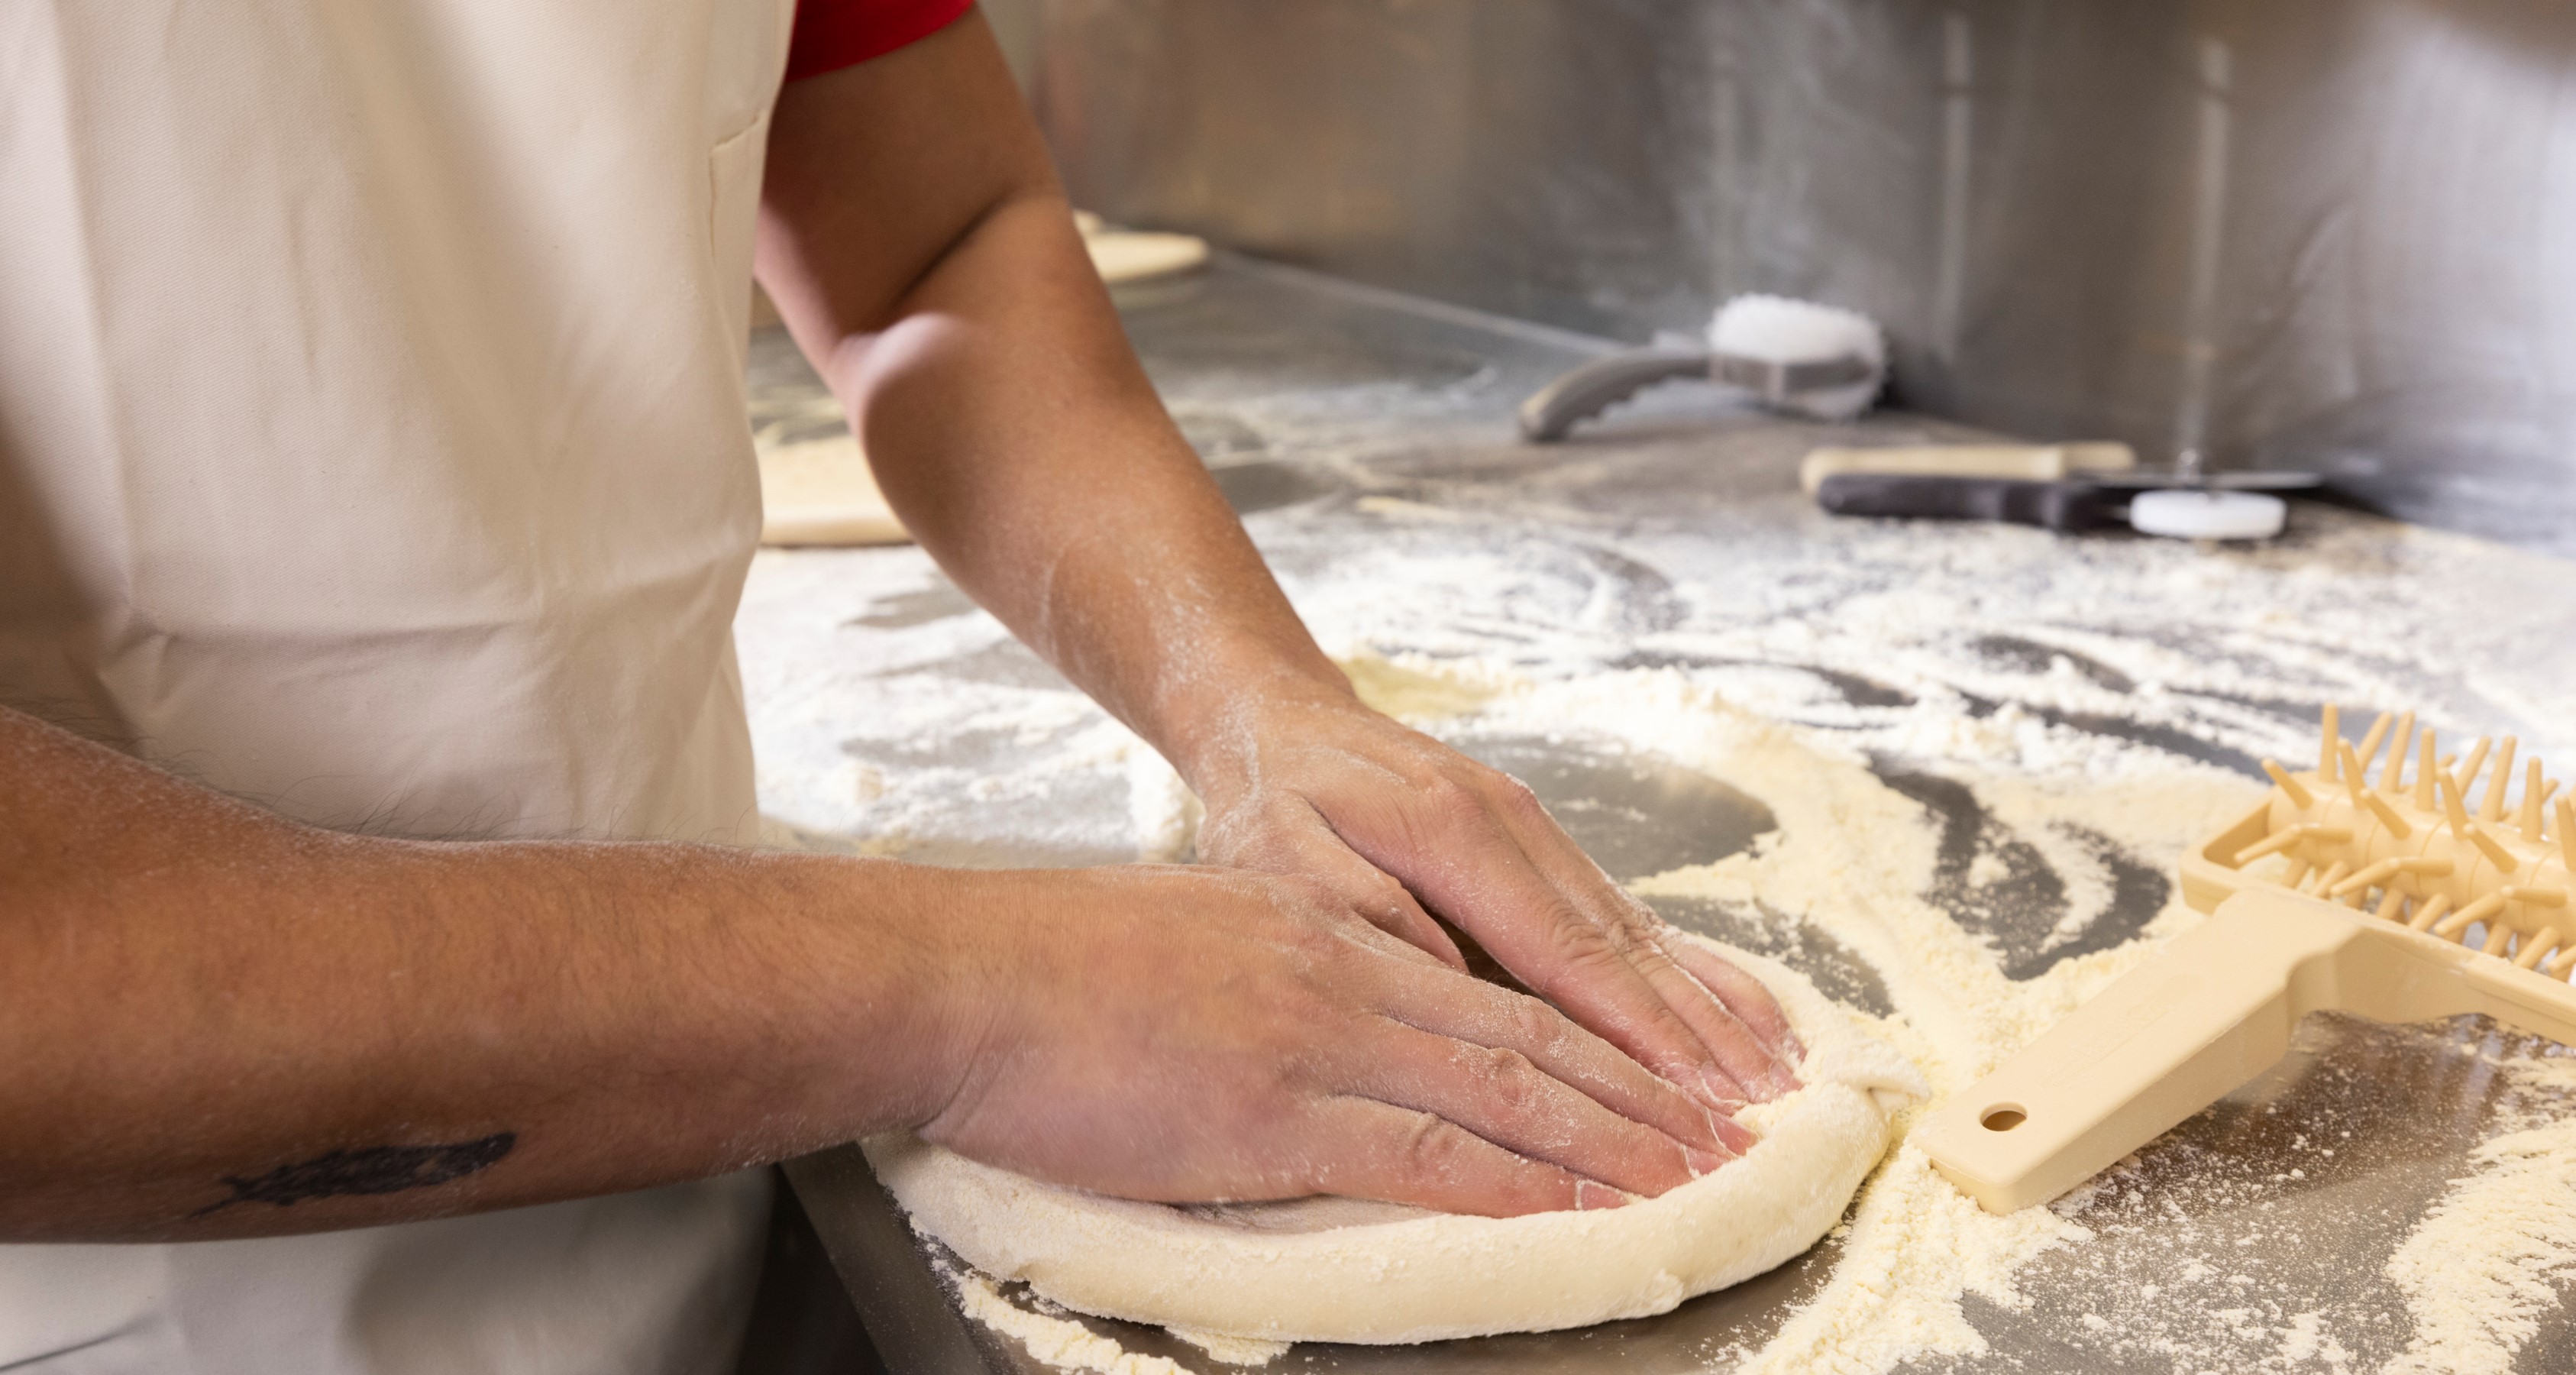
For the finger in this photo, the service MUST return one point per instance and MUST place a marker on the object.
(1401, 1155)
(1373, 893)
(1502, 1096)
(1468, 1010)
(1306, 845)
(1740, 1054)
(1743, 995)
(1748, 1057)
(1465, 866)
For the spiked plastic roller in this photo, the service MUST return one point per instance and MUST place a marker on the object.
(2390, 897)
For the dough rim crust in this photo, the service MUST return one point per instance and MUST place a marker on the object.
(1428, 1277)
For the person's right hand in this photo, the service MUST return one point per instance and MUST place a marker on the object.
(1202, 1035)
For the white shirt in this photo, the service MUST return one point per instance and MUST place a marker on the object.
(373, 447)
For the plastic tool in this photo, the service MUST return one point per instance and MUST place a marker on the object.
(2414, 896)
(1796, 356)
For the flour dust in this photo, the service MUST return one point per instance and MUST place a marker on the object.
(1922, 1274)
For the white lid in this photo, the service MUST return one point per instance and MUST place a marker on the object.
(2208, 515)
(1776, 329)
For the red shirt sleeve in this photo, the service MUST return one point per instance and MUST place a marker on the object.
(832, 34)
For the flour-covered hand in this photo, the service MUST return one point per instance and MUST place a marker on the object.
(1201, 1034)
(1404, 827)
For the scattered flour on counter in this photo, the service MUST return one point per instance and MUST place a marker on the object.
(1233, 1350)
(1165, 811)
(1059, 1342)
(1854, 858)
(2490, 1258)
(1068, 1345)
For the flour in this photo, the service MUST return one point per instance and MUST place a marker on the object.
(2064, 687)
(1853, 858)
(1059, 1342)
(2489, 1259)
(1233, 1350)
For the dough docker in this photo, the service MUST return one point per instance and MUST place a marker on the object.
(2392, 898)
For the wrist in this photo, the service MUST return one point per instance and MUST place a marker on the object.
(967, 937)
(882, 982)
(1219, 731)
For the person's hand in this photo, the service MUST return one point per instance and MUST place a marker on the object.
(1203, 1035)
(1403, 827)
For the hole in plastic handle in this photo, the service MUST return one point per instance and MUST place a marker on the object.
(2002, 1117)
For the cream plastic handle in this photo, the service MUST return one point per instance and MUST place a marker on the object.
(2213, 1010)
(2019, 462)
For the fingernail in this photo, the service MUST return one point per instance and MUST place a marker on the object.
(1738, 1137)
(1783, 1083)
(1591, 1197)
(1702, 1162)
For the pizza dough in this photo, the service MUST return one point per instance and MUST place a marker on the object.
(821, 492)
(1344, 1270)
(1134, 255)
(1127, 255)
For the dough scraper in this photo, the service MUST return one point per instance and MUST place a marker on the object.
(2407, 898)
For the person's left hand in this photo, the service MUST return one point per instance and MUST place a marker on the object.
(1314, 782)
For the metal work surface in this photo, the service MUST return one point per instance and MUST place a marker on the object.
(2319, 233)
(1369, 446)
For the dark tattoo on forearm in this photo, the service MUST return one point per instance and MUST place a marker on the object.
(373, 1170)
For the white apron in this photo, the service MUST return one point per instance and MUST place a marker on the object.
(373, 447)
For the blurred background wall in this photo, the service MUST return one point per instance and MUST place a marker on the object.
(2331, 233)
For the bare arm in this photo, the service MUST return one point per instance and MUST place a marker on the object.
(915, 239)
(219, 1023)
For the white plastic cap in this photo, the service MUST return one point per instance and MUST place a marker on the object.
(2208, 515)
(1776, 329)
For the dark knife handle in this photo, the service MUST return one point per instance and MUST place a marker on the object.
(2064, 506)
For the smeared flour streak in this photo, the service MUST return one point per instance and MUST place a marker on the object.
(2484, 1265)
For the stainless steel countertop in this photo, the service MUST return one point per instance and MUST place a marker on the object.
(1351, 429)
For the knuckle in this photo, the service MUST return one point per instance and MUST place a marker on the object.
(1456, 804)
(1628, 940)
(1518, 798)
(1433, 1148)
(1509, 1079)
(1533, 1022)
(1579, 945)
(1641, 921)
(1381, 895)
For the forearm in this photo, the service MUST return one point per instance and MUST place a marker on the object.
(1047, 476)
(1006, 417)
(220, 1023)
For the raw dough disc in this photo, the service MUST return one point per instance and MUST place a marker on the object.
(1125, 255)
(1342, 1270)
(821, 492)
